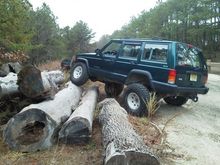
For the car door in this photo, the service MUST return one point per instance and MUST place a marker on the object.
(127, 59)
(103, 66)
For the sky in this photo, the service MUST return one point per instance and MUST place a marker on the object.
(102, 16)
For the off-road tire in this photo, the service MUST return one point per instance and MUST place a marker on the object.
(134, 92)
(79, 74)
(176, 100)
(113, 89)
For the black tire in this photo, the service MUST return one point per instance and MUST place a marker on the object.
(176, 100)
(79, 74)
(132, 94)
(113, 89)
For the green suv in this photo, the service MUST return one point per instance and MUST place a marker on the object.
(175, 71)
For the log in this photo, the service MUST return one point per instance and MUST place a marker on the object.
(8, 85)
(122, 144)
(36, 126)
(36, 84)
(6, 68)
(78, 128)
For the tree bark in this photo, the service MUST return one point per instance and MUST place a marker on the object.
(36, 126)
(36, 84)
(8, 85)
(122, 144)
(78, 128)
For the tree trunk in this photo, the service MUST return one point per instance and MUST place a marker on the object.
(8, 85)
(122, 144)
(36, 84)
(36, 126)
(78, 127)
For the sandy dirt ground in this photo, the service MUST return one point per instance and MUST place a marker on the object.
(193, 130)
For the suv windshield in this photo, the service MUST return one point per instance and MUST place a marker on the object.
(188, 55)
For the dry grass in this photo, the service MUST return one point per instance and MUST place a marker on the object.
(53, 65)
(152, 105)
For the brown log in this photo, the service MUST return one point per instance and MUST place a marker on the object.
(122, 144)
(36, 126)
(78, 128)
(8, 85)
(36, 84)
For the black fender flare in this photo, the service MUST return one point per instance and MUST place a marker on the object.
(140, 76)
(85, 61)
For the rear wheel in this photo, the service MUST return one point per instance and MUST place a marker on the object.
(136, 96)
(113, 89)
(79, 74)
(176, 100)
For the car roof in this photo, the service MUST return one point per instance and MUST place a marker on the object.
(143, 40)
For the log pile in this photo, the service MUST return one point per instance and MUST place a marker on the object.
(67, 116)
(122, 144)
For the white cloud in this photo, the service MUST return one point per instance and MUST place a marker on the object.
(102, 16)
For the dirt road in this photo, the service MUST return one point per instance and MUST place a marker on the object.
(193, 131)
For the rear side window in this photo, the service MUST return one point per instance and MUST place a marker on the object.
(188, 55)
(155, 52)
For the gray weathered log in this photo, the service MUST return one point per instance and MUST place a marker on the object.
(78, 128)
(36, 84)
(8, 85)
(122, 144)
(36, 126)
(6, 68)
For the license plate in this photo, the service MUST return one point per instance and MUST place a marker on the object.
(193, 77)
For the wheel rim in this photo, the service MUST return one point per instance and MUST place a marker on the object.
(77, 72)
(133, 101)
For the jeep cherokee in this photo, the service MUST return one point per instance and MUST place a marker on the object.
(175, 71)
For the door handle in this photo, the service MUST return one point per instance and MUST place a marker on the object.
(110, 60)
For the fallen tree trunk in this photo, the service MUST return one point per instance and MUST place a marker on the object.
(36, 126)
(78, 128)
(36, 84)
(8, 85)
(122, 144)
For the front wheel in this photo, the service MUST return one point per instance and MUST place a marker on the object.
(79, 74)
(136, 96)
(176, 100)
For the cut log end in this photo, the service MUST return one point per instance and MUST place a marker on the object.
(30, 75)
(29, 131)
(76, 131)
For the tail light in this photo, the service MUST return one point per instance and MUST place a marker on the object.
(172, 76)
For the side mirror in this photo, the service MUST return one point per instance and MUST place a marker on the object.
(97, 51)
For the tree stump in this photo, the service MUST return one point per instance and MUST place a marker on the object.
(36, 84)
(36, 126)
(78, 128)
(122, 144)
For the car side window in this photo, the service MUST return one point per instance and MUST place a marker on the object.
(130, 51)
(155, 52)
(112, 50)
